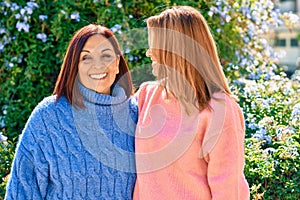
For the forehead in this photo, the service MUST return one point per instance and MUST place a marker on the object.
(150, 38)
(155, 36)
(97, 42)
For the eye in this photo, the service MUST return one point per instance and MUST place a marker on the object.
(86, 58)
(106, 56)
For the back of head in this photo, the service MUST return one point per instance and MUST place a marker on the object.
(181, 42)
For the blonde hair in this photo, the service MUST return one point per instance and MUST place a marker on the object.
(189, 67)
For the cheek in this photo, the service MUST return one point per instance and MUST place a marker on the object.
(115, 67)
(80, 71)
(83, 68)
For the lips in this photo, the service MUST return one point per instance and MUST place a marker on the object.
(98, 76)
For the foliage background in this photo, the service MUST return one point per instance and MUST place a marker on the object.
(35, 35)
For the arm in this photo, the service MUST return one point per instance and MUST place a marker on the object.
(226, 159)
(28, 177)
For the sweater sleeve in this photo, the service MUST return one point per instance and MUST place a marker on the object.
(226, 159)
(29, 172)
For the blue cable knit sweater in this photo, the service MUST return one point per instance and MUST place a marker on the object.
(68, 153)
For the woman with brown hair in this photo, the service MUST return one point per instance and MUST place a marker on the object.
(190, 132)
(79, 142)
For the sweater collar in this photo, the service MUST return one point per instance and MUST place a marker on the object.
(117, 95)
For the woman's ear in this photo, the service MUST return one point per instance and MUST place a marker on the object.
(117, 64)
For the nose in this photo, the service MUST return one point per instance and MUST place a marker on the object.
(148, 53)
(98, 64)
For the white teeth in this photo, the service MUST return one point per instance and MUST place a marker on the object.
(98, 76)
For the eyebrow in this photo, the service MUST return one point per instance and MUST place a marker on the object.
(106, 50)
(83, 50)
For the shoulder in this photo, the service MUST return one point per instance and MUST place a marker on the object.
(225, 125)
(50, 104)
(46, 110)
(36, 123)
(43, 106)
(228, 102)
(226, 109)
(149, 85)
(233, 109)
(45, 120)
(147, 91)
(148, 88)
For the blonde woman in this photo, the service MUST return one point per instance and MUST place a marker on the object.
(190, 133)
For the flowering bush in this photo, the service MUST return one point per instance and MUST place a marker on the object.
(272, 113)
(34, 36)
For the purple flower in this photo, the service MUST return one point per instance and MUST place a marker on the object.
(296, 110)
(276, 18)
(75, 15)
(261, 134)
(22, 26)
(252, 126)
(14, 7)
(213, 10)
(2, 30)
(131, 58)
(42, 36)
(32, 4)
(246, 11)
(28, 10)
(43, 17)
(115, 28)
(6, 4)
(1, 47)
(17, 16)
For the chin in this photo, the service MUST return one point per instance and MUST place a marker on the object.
(155, 73)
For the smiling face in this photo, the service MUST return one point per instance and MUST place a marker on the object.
(98, 64)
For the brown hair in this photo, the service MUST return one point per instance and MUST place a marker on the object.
(181, 42)
(66, 84)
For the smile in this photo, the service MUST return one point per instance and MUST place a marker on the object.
(98, 76)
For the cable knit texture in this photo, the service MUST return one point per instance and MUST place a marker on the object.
(68, 153)
(199, 156)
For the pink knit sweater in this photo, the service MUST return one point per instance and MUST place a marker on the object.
(196, 156)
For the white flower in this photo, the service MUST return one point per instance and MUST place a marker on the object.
(23, 11)
(2, 138)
